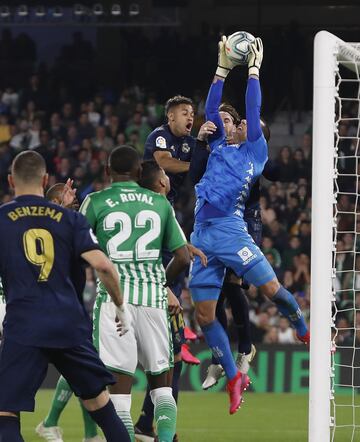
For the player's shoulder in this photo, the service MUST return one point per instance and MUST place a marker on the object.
(159, 137)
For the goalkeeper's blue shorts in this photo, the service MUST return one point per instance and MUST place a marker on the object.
(226, 243)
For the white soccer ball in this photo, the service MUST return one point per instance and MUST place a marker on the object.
(237, 47)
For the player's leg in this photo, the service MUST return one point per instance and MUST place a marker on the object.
(263, 276)
(90, 427)
(22, 371)
(88, 378)
(215, 371)
(48, 429)
(120, 394)
(248, 261)
(119, 356)
(156, 356)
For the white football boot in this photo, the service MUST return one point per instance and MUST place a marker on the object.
(53, 434)
(214, 373)
(243, 361)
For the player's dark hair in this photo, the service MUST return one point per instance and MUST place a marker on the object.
(28, 166)
(55, 192)
(225, 107)
(123, 159)
(149, 173)
(265, 129)
(175, 101)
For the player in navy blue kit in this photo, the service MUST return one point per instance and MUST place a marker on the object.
(171, 145)
(45, 321)
(220, 230)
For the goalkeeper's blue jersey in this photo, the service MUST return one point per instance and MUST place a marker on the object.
(230, 173)
(231, 170)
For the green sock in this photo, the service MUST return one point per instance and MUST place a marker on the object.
(122, 404)
(127, 421)
(165, 414)
(61, 397)
(90, 427)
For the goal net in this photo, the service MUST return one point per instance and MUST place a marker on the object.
(334, 406)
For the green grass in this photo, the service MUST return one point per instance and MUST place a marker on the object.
(203, 417)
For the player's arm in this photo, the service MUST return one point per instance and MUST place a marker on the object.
(253, 92)
(200, 154)
(109, 277)
(106, 273)
(175, 241)
(170, 164)
(213, 100)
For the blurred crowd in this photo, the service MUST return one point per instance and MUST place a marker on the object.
(75, 136)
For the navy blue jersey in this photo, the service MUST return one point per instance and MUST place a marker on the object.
(40, 243)
(163, 139)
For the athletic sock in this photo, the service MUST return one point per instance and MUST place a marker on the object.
(222, 318)
(165, 413)
(122, 404)
(90, 427)
(146, 419)
(287, 305)
(176, 378)
(61, 397)
(218, 342)
(10, 429)
(240, 311)
(113, 428)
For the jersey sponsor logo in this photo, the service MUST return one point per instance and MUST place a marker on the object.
(160, 142)
(185, 148)
(246, 255)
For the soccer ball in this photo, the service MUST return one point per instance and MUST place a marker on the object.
(237, 47)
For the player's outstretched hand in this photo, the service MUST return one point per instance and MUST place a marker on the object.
(68, 195)
(255, 57)
(122, 320)
(208, 128)
(174, 306)
(224, 64)
(194, 251)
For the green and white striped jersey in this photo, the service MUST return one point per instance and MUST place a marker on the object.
(133, 225)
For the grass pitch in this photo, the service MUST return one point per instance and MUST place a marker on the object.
(203, 417)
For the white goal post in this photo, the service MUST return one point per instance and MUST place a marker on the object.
(329, 53)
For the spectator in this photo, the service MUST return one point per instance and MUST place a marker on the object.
(101, 141)
(285, 332)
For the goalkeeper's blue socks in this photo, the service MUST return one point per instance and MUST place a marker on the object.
(287, 306)
(10, 429)
(113, 428)
(218, 342)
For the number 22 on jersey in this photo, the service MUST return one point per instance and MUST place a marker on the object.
(142, 220)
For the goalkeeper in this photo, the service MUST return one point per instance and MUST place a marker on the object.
(220, 230)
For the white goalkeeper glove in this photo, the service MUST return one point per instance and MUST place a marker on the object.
(224, 64)
(122, 320)
(255, 57)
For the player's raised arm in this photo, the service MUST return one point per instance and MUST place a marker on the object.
(215, 92)
(253, 92)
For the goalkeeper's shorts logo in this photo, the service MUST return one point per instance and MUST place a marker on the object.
(246, 255)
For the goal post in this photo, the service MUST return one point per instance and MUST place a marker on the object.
(329, 53)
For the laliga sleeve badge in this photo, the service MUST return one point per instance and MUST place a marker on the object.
(185, 148)
(160, 142)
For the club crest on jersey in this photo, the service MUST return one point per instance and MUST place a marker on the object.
(160, 142)
(185, 148)
(246, 255)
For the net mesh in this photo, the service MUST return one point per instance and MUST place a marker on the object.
(345, 370)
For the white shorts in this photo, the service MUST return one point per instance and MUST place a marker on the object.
(2, 315)
(148, 341)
